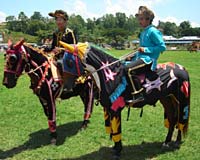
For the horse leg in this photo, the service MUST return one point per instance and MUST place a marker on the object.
(107, 119)
(113, 128)
(116, 132)
(88, 100)
(170, 118)
(49, 107)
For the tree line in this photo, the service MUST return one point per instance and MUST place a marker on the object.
(114, 29)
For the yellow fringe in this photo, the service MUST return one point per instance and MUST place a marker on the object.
(116, 138)
(180, 126)
(166, 123)
(115, 122)
(108, 130)
(82, 47)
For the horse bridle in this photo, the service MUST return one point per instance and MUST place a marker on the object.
(46, 66)
(25, 56)
(18, 70)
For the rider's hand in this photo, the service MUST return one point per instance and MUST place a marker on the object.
(141, 49)
(128, 59)
(56, 50)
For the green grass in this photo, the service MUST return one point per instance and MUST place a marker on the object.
(24, 133)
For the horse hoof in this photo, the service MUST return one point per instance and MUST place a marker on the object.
(53, 141)
(116, 157)
(84, 125)
(177, 144)
(165, 146)
(117, 149)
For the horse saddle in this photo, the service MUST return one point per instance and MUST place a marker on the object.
(148, 81)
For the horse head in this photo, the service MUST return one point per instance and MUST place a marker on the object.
(14, 64)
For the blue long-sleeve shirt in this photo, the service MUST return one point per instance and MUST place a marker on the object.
(152, 41)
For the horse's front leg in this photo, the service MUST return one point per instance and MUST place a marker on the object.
(107, 119)
(50, 111)
(113, 127)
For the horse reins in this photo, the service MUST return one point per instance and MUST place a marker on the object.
(110, 64)
(46, 64)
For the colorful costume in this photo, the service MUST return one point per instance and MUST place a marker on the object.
(146, 61)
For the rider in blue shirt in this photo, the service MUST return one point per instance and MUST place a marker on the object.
(151, 45)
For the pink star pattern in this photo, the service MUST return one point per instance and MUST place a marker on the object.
(108, 73)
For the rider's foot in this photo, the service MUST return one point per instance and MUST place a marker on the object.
(136, 98)
(67, 90)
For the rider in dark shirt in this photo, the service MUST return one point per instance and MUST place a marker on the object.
(62, 34)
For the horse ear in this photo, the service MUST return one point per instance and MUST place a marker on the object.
(19, 44)
(9, 43)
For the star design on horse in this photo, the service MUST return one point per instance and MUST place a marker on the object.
(107, 71)
(155, 84)
(54, 86)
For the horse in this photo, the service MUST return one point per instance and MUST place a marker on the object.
(194, 47)
(46, 82)
(171, 88)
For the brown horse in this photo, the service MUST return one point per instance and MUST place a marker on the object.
(171, 88)
(194, 47)
(44, 83)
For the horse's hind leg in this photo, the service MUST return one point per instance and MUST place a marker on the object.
(88, 99)
(170, 115)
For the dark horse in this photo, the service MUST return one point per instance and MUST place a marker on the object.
(45, 82)
(171, 88)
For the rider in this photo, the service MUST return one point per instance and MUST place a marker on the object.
(145, 60)
(62, 34)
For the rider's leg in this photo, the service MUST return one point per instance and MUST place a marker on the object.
(136, 67)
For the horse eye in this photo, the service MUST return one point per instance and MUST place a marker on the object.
(13, 58)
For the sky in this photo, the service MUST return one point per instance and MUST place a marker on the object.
(165, 10)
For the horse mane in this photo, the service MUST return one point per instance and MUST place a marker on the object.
(102, 50)
(37, 54)
(37, 50)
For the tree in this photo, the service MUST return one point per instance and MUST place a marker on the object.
(10, 18)
(22, 17)
(185, 28)
(11, 22)
(36, 16)
(185, 25)
(120, 19)
(34, 26)
(108, 21)
(117, 34)
(132, 25)
(168, 28)
(22, 22)
(77, 24)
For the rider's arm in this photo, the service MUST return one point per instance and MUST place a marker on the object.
(158, 43)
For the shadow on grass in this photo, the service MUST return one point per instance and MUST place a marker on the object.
(132, 152)
(42, 138)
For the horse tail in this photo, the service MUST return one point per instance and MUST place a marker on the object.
(184, 99)
(186, 126)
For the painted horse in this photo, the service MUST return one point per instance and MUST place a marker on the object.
(171, 88)
(46, 82)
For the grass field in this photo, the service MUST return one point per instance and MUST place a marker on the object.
(24, 133)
